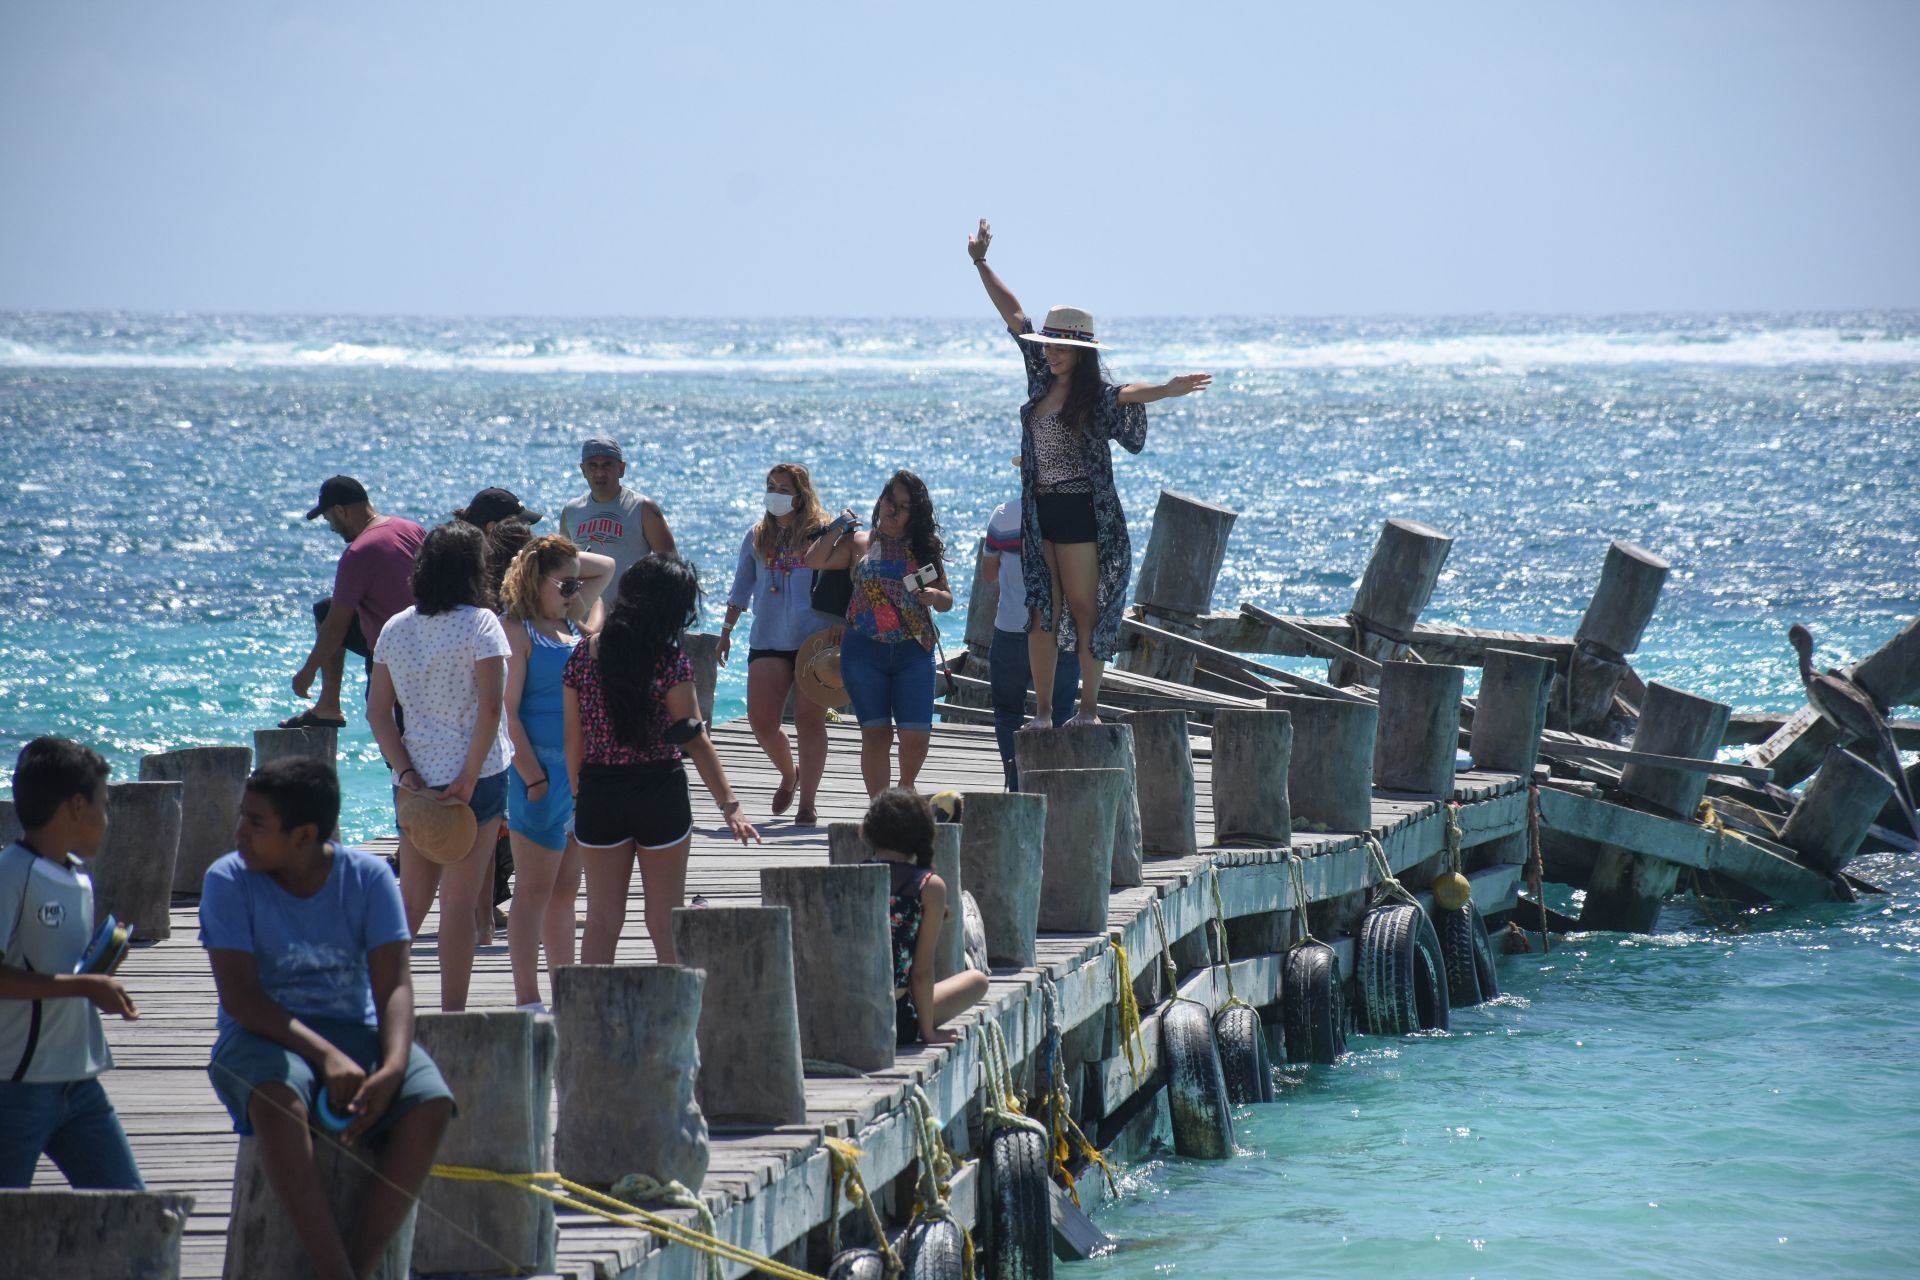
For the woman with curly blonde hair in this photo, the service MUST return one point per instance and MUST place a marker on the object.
(772, 579)
(548, 585)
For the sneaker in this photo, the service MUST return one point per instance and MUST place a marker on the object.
(531, 1006)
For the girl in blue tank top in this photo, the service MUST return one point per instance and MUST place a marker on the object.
(549, 585)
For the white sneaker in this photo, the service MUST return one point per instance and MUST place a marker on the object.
(531, 1006)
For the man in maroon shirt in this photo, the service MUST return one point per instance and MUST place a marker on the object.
(373, 582)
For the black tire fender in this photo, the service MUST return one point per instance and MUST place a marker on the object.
(1468, 952)
(1021, 1207)
(1243, 1055)
(936, 1250)
(857, 1264)
(1196, 1087)
(1403, 977)
(1313, 1005)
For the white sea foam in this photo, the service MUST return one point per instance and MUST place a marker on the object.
(801, 354)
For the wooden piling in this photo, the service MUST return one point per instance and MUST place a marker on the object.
(1626, 889)
(213, 778)
(93, 1235)
(842, 960)
(261, 1242)
(1094, 746)
(1185, 551)
(133, 873)
(1511, 711)
(1827, 826)
(626, 1073)
(312, 744)
(1631, 578)
(1076, 856)
(500, 1066)
(1163, 781)
(1001, 843)
(1419, 729)
(950, 954)
(749, 1034)
(703, 650)
(1398, 582)
(1252, 751)
(1330, 774)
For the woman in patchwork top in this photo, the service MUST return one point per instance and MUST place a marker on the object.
(1073, 533)
(886, 655)
(772, 579)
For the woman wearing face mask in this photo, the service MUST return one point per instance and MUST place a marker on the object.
(772, 580)
(1073, 537)
(886, 655)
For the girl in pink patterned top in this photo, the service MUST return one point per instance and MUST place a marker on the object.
(630, 714)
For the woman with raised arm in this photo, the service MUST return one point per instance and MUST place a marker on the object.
(1073, 534)
(886, 653)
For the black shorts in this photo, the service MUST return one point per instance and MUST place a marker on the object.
(644, 803)
(1066, 517)
(788, 656)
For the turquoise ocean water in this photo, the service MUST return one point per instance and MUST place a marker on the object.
(1704, 1102)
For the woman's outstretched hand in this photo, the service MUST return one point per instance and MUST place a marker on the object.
(1184, 383)
(977, 242)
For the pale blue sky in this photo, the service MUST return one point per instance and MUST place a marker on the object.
(794, 159)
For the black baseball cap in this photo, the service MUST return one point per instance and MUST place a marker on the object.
(338, 491)
(490, 505)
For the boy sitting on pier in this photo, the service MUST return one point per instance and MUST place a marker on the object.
(308, 942)
(52, 1047)
(899, 826)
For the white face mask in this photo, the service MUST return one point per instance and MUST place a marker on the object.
(779, 504)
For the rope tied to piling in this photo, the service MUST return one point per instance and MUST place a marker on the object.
(584, 1199)
(845, 1169)
(639, 1188)
(998, 1101)
(1128, 1006)
(1169, 973)
(1059, 1103)
(1389, 886)
(1455, 837)
(1297, 876)
(934, 1175)
(1226, 957)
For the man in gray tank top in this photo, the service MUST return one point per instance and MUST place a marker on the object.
(612, 519)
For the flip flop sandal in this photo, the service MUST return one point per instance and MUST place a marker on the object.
(307, 720)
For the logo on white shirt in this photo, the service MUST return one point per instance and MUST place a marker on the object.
(52, 913)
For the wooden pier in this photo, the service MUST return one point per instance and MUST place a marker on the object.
(768, 1190)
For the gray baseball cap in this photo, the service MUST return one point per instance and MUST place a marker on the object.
(601, 447)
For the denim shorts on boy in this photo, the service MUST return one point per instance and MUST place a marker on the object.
(243, 1061)
(74, 1124)
(889, 683)
(547, 821)
(645, 803)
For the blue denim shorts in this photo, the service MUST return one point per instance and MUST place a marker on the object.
(243, 1061)
(489, 802)
(889, 683)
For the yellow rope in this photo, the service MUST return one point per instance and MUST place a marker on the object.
(638, 1188)
(1129, 1007)
(584, 1199)
(1297, 876)
(1389, 886)
(937, 1166)
(1226, 957)
(846, 1168)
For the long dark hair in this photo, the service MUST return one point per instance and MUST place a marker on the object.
(659, 600)
(451, 570)
(923, 535)
(1085, 381)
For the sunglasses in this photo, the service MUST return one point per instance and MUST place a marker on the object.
(569, 587)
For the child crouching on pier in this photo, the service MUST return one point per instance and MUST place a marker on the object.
(308, 943)
(899, 826)
(52, 1047)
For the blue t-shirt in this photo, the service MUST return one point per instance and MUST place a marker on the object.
(311, 952)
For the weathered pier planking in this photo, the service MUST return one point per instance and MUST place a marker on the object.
(768, 1189)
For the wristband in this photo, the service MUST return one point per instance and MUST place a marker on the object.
(415, 772)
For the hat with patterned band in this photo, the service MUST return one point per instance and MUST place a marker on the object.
(1066, 327)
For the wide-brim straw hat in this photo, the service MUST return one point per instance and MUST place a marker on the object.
(816, 672)
(1066, 327)
(440, 826)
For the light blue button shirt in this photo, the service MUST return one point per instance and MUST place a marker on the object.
(777, 596)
